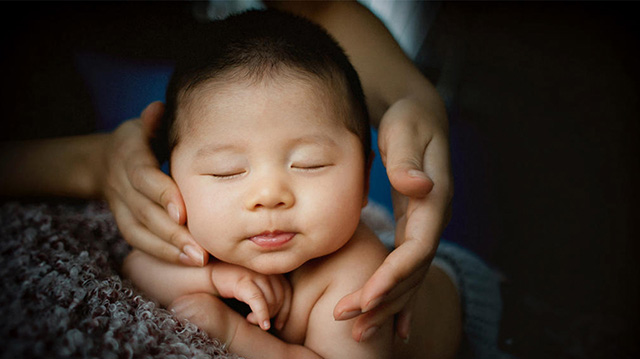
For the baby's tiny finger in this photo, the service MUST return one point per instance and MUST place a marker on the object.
(250, 294)
(268, 293)
(277, 284)
(283, 314)
(251, 318)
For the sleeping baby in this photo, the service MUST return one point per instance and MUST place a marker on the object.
(267, 136)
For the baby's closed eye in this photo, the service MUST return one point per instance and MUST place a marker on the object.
(228, 174)
(310, 166)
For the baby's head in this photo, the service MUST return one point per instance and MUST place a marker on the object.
(268, 136)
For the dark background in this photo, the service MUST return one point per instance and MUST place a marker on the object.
(544, 129)
(543, 103)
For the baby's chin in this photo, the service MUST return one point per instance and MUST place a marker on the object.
(265, 265)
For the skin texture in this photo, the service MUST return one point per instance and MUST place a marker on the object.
(272, 156)
(413, 143)
(150, 211)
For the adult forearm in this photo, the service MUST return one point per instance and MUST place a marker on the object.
(69, 167)
(387, 74)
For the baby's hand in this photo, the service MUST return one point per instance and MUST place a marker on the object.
(268, 296)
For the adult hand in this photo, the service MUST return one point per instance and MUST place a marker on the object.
(415, 150)
(146, 203)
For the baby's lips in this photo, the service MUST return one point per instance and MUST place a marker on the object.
(272, 239)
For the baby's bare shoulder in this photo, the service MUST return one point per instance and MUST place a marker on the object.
(353, 264)
(343, 273)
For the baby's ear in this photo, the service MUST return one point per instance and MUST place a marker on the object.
(151, 117)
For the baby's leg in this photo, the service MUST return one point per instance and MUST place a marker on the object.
(477, 304)
(436, 328)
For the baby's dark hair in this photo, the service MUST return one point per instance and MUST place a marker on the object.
(260, 44)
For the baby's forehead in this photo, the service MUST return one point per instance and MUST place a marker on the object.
(324, 90)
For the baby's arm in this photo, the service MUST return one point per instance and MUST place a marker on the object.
(211, 315)
(325, 337)
(267, 296)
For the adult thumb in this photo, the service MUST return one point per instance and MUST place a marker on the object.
(151, 117)
(404, 162)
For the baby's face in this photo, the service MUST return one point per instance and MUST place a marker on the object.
(271, 177)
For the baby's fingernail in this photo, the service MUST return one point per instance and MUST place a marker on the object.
(406, 339)
(368, 334)
(196, 256)
(173, 212)
(266, 325)
(372, 304)
(348, 315)
(418, 174)
(279, 325)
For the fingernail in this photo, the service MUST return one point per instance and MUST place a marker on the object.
(368, 334)
(406, 340)
(417, 174)
(173, 212)
(266, 325)
(372, 304)
(279, 325)
(348, 315)
(196, 255)
(185, 259)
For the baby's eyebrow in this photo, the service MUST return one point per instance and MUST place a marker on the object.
(314, 139)
(321, 139)
(213, 148)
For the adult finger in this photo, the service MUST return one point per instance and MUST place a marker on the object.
(403, 321)
(140, 237)
(388, 281)
(377, 317)
(160, 188)
(391, 280)
(402, 141)
(143, 170)
(348, 307)
(151, 117)
(157, 221)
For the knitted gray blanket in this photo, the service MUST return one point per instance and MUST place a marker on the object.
(61, 295)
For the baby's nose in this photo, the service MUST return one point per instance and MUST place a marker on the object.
(270, 192)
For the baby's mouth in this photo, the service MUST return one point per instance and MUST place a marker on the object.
(272, 239)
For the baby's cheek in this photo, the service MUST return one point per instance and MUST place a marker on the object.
(203, 224)
(338, 213)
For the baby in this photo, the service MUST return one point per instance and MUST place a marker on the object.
(268, 139)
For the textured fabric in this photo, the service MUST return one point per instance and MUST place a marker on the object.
(479, 290)
(61, 295)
